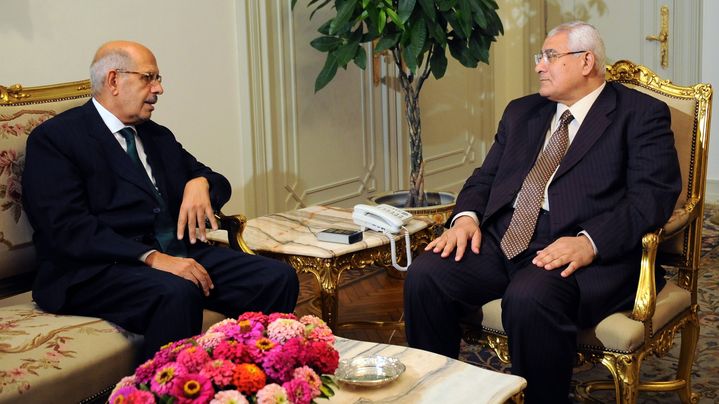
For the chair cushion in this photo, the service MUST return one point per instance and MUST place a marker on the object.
(50, 358)
(617, 332)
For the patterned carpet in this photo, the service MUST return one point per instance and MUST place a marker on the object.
(705, 372)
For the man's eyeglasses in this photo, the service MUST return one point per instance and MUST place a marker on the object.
(148, 78)
(550, 55)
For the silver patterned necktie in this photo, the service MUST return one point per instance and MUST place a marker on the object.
(529, 201)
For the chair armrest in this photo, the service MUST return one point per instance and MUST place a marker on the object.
(234, 225)
(645, 300)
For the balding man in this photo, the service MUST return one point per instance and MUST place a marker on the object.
(118, 206)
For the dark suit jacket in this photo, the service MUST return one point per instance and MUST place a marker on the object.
(619, 179)
(90, 206)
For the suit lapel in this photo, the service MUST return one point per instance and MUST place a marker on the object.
(119, 161)
(537, 128)
(594, 125)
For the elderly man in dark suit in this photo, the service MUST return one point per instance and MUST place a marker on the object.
(554, 217)
(118, 206)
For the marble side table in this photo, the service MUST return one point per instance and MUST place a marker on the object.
(290, 237)
(429, 378)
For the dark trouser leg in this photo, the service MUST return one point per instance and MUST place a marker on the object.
(245, 282)
(438, 291)
(161, 306)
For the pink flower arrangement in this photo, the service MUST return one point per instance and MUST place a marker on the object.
(258, 358)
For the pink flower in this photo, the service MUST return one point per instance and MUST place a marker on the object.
(312, 320)
(193, 358)
(166, 377)
(250, 330)
(321, 357)
(281, 360)
(274, 316)
(144, 372)
(232, 351)
(124, 382)
(192, 388)
(140, 397)
(229, 397)
(220, 371)
(209, 341)
(313, 379)
(120, 396)
(282, 330)
(321, 333)
(272, 394)
(217, 327)
(298, 391)
(254, 315)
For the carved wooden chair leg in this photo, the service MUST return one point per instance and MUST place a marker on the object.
(690, 336)
(625, 371)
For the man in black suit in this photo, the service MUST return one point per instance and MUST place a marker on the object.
(118, 207)
(575, 258)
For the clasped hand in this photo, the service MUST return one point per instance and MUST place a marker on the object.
(574, 252)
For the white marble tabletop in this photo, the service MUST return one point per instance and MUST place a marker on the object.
(293, 233)
(429, 378)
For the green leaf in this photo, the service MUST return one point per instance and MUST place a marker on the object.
(460, 52)
(327, 74)
(325, 28)
(428, 8)
(479, 18)
(418, 37)
(324, 3)
(344, 14)
(410, 59)
(465, 15)
(361, 58)
(386, 42)
(326, 43)
(382, 22)
(405, 9)
(438, 31)
(394, 17)
(438, 62)
(445, 5)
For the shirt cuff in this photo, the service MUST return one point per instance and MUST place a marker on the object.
(465, 213)
(144, 256)
(594, 246)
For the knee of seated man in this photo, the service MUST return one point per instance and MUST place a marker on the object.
(180, 291)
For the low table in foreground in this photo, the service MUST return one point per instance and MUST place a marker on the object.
(429, 378)
(290, 237)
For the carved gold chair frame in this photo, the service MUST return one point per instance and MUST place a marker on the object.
(677, 244)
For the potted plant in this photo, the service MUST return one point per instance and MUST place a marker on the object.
(417, 33)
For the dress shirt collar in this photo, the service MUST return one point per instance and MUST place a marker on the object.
(580, 109)
(110, 120)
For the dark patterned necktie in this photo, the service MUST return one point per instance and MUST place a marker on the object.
(165, 230)
(529, 201)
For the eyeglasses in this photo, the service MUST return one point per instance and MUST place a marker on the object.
(550, 55)
(148, 78)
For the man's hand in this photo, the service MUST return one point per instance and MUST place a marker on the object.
(455, 238)
(576, 252)
(195, 208)
(183, 267)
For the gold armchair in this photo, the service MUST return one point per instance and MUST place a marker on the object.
(622, 340)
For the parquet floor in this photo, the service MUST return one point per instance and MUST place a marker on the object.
(369, 296)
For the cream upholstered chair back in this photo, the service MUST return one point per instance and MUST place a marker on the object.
(21, 110)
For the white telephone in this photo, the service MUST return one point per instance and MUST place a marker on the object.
(388, 220)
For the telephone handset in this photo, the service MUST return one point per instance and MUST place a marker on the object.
(388, 220)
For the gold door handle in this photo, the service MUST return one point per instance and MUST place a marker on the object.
(663, 37)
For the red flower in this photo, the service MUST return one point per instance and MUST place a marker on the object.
(249, 378)
(193, 388)
(321, 357)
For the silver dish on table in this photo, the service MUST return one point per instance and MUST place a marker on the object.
(369, 370)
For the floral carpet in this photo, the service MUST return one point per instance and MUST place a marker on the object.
(705, 372)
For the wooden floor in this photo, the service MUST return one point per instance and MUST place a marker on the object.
(372, 296)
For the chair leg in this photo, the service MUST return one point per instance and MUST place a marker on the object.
(690, 336)
(625, 371)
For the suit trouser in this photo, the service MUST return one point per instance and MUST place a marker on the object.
(539, 307)
(165, 307)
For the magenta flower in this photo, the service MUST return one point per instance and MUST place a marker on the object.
(274, 316)
(119, 396)
(313, 379)
(254, 315)
(192, 388)
(164, 379)
(140, 397)
(193, 358)
(298, 391)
